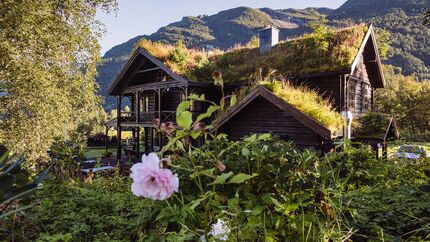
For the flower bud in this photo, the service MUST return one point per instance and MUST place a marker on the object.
(220, 166)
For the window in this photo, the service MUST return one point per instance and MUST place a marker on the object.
(144, 104)
(351, 95)
(365, 97)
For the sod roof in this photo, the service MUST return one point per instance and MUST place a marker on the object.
(324, 50)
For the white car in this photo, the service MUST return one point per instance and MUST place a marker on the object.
(412, 152)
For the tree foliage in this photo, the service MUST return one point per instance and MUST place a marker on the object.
(48, 56)
(407, 99)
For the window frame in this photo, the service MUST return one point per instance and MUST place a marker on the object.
(351, 94)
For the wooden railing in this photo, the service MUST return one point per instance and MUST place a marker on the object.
(148, 117)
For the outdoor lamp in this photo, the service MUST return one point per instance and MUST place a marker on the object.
(347, 115)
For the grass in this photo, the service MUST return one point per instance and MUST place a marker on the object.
(96, 152)
(323, 50)
(307, 101)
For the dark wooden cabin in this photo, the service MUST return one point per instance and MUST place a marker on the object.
(263, 112)
(351, 89)
(155, 91)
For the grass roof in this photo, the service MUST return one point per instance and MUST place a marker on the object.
(323, 50)
(304, 99)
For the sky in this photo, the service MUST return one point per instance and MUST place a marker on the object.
(138, 17)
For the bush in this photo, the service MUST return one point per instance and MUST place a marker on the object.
(262, 187)
(99, 210)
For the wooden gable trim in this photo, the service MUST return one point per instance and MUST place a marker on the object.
(122, 72)
(392, 124)
(281, 104)
(370, 35)
(159, 64)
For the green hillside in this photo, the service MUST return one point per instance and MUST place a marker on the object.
(402, 18)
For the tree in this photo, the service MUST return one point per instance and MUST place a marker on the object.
(407, 99)
(48, 56)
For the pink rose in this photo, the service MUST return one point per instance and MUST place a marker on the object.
(151, 181)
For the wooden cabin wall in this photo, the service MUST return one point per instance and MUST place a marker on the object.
(171, 99)
(360, 83)
(329, 87)
(261, 116)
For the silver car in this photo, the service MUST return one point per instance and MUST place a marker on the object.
(413, 152)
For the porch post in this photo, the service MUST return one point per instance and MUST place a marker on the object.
(384, 150)
(137, 142)
(118, 128)
(137, 111)
(106, 138)
(159, 115)
(159, 104)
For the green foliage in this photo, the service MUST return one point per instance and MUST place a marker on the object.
(65, 159)
(48, 57)
(371, 125)
(15, 184)
(390, 213)
(296, 196)
(407, 99)
(101, 209)
(179, 53)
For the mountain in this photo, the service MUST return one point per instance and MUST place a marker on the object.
(402, 18)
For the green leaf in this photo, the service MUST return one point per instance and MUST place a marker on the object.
(251, 138)
(184, 119)
(19, 209)
(221, 178)
(233, 100)
(193, 204)
(208, 113)
(241, 178)
(207, 172)
(245, 151)
(183, 106)
(195, 134)
(196, 97)
(264, 137)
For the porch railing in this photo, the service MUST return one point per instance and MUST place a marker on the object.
(148, 117)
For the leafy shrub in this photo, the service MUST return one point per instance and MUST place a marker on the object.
(99, 210)
(65, 158)
(15, 183)
(262, 187)
(391, 214)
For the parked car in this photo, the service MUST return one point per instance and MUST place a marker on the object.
(413, 152)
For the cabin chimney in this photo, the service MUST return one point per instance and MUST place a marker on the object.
(268, 38)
